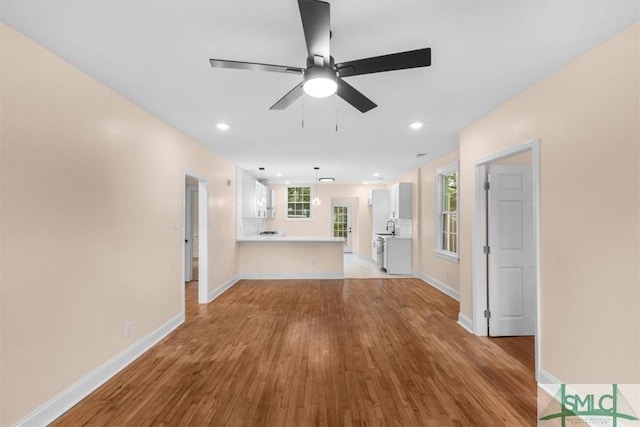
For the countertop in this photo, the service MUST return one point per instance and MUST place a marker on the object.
(385, 236)
(290, 239)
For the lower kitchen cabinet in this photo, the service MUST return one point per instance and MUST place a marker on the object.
(397, 256)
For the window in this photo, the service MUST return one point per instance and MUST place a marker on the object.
(447, 211)
(299, 202)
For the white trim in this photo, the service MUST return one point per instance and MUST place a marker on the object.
(350, 210)
(478, 236)
(291, 276)
(445, 289)
(215, 293)
(447, 169)
(61, 403)
(286, 202)
(203, 241)
(446, 255)
(545, 380)
(478, 268)
(465, 322)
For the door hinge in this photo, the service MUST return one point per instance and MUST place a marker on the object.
(486, 186)
(487, 314)
(486, 250)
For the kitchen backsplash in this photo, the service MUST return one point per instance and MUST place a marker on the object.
(246, 227)
(404, 227)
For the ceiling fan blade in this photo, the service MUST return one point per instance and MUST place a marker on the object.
(316, 27)
(354, 97)
(289, 98)
(391, 62)
(256, 66)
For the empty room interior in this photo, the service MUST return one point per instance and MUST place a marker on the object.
(316, 213)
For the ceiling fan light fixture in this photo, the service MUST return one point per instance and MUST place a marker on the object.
(320, 82)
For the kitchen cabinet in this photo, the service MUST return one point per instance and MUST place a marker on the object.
(254, 198)
(261, 200)
(380, 212)
(397, 255)
(271, 203)
(401, 200)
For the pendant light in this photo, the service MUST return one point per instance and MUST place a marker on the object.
(316, 200)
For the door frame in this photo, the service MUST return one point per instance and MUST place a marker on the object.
(479, 237)
(188, 231)
(203, 241)
(352, 205)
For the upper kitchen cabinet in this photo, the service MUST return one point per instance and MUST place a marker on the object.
(401, 200)
(380, 210)
(271, 203)
(254, 198)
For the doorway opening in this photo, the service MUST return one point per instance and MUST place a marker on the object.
(196, 240)
(505, 258)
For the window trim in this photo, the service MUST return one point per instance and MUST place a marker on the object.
(286, 202)
(440, 173)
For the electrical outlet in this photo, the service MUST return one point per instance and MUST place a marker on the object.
(128, 329)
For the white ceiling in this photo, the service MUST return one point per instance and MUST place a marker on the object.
(156, 53)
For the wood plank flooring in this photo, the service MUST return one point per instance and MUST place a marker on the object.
(353, 352)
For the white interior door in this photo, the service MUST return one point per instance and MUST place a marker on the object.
(511, 271)
(341, 220)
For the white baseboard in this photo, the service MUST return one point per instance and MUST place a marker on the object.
(220, 289)
(57, 406)
(445, 289)
(465, 322)
(547, 382)
(291, 276)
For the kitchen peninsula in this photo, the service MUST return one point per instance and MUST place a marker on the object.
(272, 254)
(284, 257)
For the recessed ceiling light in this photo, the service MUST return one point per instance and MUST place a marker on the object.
(415, 125)
(364, 182)
(326, 179)
(222, 126)
(376, 174)
(288, 182)
(278, 174)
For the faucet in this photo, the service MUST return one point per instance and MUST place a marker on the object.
(393, 226)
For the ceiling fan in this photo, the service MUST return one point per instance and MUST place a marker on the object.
(323, 77)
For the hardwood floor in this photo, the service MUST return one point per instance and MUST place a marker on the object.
(353, 352)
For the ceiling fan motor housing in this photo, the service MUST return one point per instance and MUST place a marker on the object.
(320, 81)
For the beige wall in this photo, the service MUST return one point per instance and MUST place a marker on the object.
(91, 189)
(586, 117)
(320, 224)
(437, 267)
